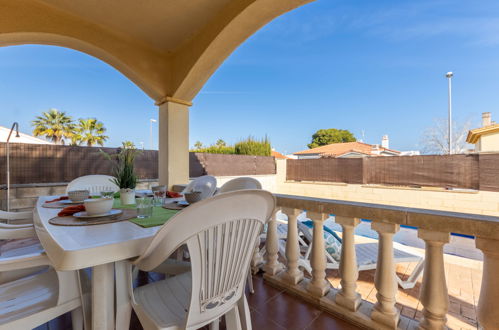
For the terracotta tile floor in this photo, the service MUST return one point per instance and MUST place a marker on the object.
(463, 282)
(270, 309)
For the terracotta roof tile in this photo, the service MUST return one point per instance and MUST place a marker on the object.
(338, 149)
(278, 155)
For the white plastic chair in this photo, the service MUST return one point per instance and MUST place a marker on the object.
(30, 301)
(94, 183)
(220, 233)
(17, 240)
(16, 217)
(241, 183)
(206, 184)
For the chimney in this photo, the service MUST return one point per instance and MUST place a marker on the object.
(486, 119)
(375, 149)
(385, 143)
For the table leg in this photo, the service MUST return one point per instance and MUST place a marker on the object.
(103, 297)
(123, 304)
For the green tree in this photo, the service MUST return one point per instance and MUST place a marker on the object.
(332, 135)
(54, 125)
(128, 145)
(220, 143)
(89, 131)
(198, 145)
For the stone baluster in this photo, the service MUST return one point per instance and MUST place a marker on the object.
(293, 274)
(349, 272)
(272, 265)
(384, 310)
(489, 291)
(318, 286)
(434, 295)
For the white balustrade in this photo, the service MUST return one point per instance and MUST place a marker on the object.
(318, 286)
(293, 274)
(349, 272)
(272, 265)
(488, 316)
(385, 279)
(434, 295)
(386, 221)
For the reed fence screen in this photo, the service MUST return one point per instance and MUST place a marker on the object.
(38, 163)
(473, 171)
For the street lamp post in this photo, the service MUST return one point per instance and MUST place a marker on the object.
(150, 132)
(449, 79)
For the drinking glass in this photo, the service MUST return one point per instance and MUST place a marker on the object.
(144, 207)
(159, 193)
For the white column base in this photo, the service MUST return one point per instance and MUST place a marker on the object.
(390, 320)
(351, 303)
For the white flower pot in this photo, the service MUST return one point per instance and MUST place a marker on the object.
(127, 196)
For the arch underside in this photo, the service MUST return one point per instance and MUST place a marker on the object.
(178, 74)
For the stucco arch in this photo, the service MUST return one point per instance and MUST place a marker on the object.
(48, 39)
(195, 62)
(29, 21)
(161, 69)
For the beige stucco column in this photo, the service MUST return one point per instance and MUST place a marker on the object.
(173, 142)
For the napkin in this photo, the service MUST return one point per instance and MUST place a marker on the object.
(62, 198)
(70, 210)
(172, 194)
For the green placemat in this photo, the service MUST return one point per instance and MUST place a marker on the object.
(159, 215)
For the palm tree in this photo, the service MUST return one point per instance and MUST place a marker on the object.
(55, 125)
(89, 131)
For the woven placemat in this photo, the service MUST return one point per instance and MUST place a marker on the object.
(174, 206)
(57, 205)
(72, 221)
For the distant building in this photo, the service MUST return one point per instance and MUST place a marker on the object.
(485, 138)
(278, 155)
(349, 150)
(23, 138)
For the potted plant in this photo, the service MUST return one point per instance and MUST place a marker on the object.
(123, 171)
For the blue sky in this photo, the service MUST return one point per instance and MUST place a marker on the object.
(372, 66)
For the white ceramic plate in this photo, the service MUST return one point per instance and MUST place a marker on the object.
(84, 215)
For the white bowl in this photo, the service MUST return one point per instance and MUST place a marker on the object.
(97, 206)
(78, 195)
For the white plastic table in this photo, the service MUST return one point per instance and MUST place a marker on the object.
(99, 247)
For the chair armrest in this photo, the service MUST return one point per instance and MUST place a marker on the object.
(8, 231)
(16, 215)
(24, 261)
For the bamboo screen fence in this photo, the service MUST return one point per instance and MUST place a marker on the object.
(473, 171)
(37, 163)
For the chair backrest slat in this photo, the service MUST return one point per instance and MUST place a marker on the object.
(241, 183)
